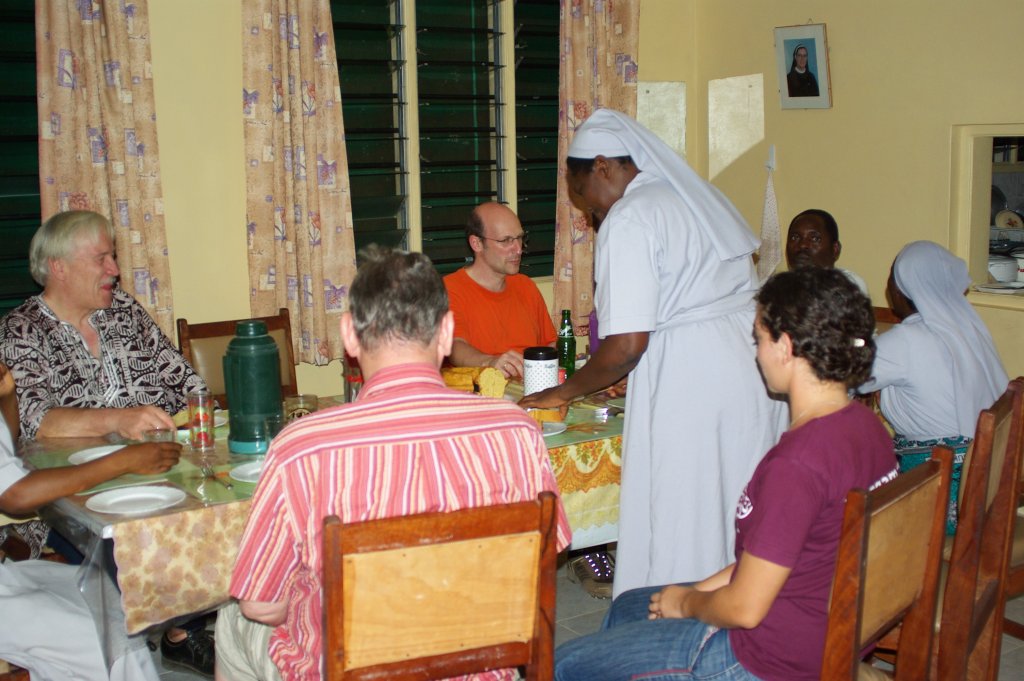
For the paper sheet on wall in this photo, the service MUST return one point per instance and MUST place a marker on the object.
(735, 119)
(661, 107)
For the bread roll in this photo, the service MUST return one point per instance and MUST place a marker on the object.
(487, 381)
(491, 383)
(460, 378)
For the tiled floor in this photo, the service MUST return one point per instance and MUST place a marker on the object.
(580, 614)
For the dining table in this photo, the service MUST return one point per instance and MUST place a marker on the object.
(171, 553)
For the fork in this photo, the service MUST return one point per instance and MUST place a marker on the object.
(210, 474)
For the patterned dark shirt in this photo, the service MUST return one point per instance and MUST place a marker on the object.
(53, 367)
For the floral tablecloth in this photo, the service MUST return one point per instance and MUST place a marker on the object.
(179, 561)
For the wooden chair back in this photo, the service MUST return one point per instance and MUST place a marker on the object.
(204, 345)
(437, 595)
(885, 319)
(1014, 585)
(887, 571)
(12, 673)
(970, 633)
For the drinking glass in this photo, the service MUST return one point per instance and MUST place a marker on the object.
(159, 435)
(200, 420)
(297, 406)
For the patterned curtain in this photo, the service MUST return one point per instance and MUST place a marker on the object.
(97, 134)
(598, 69)
(299, 211)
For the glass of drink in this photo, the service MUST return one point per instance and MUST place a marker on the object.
(200, 420)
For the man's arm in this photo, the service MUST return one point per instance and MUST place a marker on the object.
(463, 354)
(129, 422)
(44, 486)
(615, 357)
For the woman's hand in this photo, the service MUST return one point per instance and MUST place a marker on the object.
(670, 603)
(151, 458)
(545, 399)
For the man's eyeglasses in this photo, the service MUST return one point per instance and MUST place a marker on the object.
(523, 239)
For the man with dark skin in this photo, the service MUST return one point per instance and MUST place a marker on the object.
(813, 241)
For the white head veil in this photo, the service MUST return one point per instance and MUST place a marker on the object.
(935, 280)
(610, 133)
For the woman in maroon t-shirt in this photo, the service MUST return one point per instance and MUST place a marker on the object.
(764, 616)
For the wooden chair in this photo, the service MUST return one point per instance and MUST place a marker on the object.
(1015, 578)
(970, 633)
(972, 604)
(887, 571)
(11, 673)
(204, 345)
(885, 319)
(441, 594)
(1014, 586)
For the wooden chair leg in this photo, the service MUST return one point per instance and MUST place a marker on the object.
(1012, 628)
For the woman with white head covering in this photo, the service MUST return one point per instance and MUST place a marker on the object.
(938, 368)
(675, 288)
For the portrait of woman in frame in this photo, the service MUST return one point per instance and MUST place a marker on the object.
(801, 56)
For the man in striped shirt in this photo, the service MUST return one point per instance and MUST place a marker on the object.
(407, 445)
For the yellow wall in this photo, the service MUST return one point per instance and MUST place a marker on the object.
(903, 74)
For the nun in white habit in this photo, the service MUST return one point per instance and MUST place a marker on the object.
(938, 368)
(675, 288)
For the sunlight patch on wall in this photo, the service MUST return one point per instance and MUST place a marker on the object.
(735, 119)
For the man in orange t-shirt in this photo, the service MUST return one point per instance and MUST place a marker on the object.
(498, 312)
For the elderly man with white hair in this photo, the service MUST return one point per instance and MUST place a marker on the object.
(675, 302)
(86, 356)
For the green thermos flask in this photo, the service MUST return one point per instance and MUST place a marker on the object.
(252, 378)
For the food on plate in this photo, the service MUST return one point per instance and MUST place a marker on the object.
(543, 415)
(460, 378)
(487, 381)
(491, 383)
(181, 419)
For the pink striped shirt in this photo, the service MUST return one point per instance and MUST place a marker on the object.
(408, 445)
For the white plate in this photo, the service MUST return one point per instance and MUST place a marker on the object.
(1008, 219)
(84, 455)
(247, 472)
(1004, 288)
(553, 427)
(135, 500)
(617, 402)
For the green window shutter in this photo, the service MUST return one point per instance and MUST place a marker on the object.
(371, 62)
(536, 86)
(19, 151)
(461, 120)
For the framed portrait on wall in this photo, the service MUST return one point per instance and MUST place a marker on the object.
(801, 56)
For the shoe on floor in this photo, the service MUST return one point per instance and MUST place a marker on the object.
(594, 572)
(194, 652)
